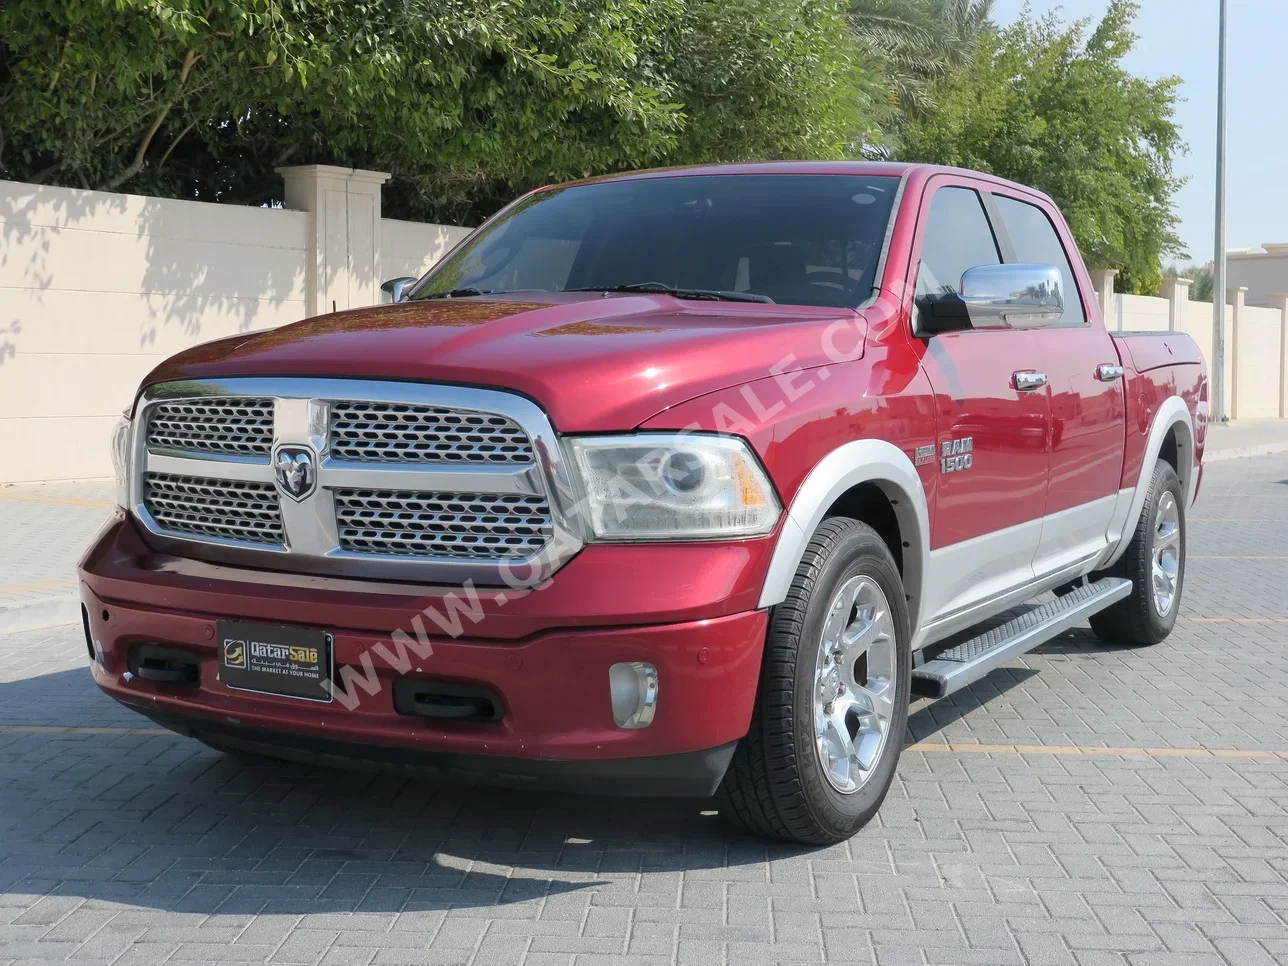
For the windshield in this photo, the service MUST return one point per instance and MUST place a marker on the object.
(799, 239)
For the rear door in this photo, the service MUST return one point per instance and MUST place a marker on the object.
(1087, 415)
(991, 450)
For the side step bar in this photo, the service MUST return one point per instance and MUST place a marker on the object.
(963, 664)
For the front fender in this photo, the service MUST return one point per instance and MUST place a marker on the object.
(860, 461)
(822, 432)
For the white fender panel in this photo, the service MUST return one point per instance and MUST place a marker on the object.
(1172, 412)
(861, 461)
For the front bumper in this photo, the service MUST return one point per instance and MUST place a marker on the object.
(557, 727)
(693, 774)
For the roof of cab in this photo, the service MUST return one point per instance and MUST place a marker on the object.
(886, 168)
(890, 169)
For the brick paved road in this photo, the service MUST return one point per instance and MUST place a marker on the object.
(1022, 845)
(43, 529)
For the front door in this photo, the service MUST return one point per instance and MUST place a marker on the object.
(992, 428)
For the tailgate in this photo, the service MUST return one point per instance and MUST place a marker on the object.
(1153, 350)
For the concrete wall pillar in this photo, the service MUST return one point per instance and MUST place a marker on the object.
(1177, 293)
(1237, 298)
(1103, 280)
(344, 205)
(1280, 301)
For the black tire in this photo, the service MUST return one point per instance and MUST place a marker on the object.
(776, 786)
(1135, 620)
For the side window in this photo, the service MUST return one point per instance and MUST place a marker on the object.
(957, 237)
(1036, 243)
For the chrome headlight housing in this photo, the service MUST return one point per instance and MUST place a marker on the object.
(121, 461)
(671, 486)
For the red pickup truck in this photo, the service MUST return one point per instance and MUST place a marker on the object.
(678, 482)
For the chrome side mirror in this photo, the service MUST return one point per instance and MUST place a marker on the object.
(397, 288)
(1013, 296)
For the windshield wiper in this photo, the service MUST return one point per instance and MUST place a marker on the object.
(705, 294)
(456, 293)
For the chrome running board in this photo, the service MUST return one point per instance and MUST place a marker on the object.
(964, 663)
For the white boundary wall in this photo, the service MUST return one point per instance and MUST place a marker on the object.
(411, 248)
(1260, 359)
(1256, 338)
(97, 288)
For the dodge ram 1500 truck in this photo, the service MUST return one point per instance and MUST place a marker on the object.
(678, 482)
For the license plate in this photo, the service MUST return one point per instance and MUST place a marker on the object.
(292, 661)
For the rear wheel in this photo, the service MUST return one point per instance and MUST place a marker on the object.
(833, 702)
(1155, 564)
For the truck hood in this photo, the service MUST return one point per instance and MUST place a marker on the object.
(594, 362)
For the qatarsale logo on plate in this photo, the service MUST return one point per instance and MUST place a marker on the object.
(294, 662)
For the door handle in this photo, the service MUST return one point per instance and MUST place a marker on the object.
(1108, 373)
(1027, 380)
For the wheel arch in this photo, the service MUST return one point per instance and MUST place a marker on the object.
(875, 478)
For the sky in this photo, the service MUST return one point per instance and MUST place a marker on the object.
(1179, 38)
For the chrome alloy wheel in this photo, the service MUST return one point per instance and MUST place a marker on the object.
(1166, 563)
(854, 684)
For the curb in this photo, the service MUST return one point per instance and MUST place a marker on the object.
(31, 615)
(1239, 452)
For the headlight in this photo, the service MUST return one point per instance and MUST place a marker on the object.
(672, 487)
(121, 460)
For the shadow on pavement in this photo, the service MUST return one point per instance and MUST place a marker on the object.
(927, 717)
(1080, 640)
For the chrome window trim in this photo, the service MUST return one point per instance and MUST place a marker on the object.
(312, 543)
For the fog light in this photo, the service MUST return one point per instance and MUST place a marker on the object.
(633, 687)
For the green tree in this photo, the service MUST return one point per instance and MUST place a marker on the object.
(1050, 105)
(918, 42)
(466, 101)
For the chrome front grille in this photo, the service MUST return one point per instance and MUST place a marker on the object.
(400, 433)
(206, 507)
(233, 425)
(487, 526)
(357, 478)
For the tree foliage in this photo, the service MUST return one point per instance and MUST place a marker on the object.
(469, 102)
(918, 42)
(465, 101)
(1050, 105)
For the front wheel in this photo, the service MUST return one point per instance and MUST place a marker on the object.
(1155, 564)
(833, 702)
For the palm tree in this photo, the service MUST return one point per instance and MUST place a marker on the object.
(918, 41)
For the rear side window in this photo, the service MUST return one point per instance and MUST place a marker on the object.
(1036, 243)
(957, 238)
